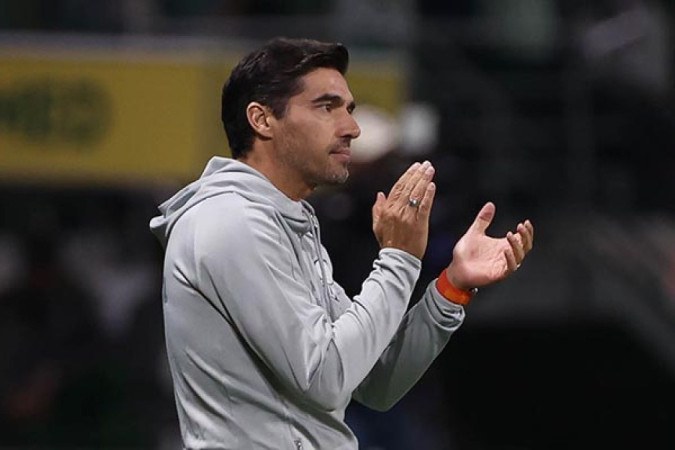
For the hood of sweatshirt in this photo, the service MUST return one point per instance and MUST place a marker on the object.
(225, 175)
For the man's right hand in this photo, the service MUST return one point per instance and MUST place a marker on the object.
(401, 220)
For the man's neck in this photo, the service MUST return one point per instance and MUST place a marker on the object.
(281, 179)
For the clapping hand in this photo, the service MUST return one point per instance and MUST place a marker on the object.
(401, 219)
(479, 260)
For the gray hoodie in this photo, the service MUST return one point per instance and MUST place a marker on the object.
(265, 349)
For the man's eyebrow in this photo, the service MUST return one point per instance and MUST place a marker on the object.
(335, 100)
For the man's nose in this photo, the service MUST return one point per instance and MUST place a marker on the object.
(350, 128)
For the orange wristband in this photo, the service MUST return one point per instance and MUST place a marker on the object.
(453, 293)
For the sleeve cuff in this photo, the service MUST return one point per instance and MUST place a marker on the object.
(443, 310)
(414, 261)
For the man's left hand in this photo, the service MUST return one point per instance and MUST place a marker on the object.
(479, 260)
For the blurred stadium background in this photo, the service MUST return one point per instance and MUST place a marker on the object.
(557, 110)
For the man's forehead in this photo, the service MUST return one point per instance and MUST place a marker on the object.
(325, 81)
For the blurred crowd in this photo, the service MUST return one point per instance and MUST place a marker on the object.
(81, 359)
(111, 16)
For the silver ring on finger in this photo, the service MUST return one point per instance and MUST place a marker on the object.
(413, 202)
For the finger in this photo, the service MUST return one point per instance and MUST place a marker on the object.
(424, 176)
(530, 228)
(525, 237)
(397, 190)
(377, 207)
(411, 182)
(483, 218)
(516, 246)
(427, 202)
(511, 262)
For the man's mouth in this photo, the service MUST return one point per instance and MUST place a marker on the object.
(343, 154)
(342, 151)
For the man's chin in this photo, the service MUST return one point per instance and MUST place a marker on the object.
(338, 178)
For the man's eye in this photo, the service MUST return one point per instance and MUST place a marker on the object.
(328, 107)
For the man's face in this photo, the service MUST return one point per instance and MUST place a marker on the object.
(314, 135)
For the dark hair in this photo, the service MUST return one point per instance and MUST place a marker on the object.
(271, 75)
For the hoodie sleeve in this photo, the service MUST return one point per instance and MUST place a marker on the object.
(245, 262)
(422, 335)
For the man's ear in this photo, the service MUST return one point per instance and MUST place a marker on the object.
(259, 118)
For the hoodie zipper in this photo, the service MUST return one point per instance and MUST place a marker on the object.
(316, 238)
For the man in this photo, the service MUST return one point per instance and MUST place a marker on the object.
(265, 349)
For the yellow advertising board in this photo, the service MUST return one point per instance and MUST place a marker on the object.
(103, 116)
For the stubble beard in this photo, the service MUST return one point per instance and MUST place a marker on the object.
(338, 178)
(332, 173)
(318, 174)
(342, 179)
